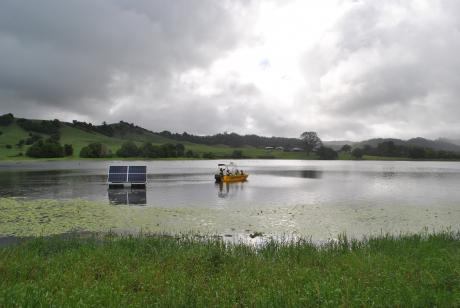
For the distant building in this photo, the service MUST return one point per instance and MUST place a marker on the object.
(269, 148)
(280, 148)
(296, 150)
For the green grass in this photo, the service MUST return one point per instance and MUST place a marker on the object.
(80, 138)
(370, 157)
(408, 271)
(11, 135)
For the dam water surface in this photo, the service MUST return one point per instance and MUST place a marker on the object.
(319, 199)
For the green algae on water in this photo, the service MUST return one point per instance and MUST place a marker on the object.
(22, 217)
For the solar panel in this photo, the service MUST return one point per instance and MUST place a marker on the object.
(138, 169)
(137, 177)
(118, 169)
(117, 177)
(127, 174)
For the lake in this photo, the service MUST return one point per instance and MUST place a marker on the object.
(319, 199)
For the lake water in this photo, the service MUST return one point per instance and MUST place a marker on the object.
(310, 198)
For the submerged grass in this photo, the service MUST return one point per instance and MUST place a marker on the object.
(411, 270)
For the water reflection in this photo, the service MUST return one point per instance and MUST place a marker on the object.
(124, 196)
(282, 183)
(229, 190)
(305, 174)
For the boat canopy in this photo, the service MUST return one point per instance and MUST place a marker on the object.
(227, 166)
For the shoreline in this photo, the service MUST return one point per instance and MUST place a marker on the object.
(67, 159)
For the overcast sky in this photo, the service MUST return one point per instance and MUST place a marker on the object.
(346, 69)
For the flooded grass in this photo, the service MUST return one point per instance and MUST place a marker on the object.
(412, 270)
(25, 218)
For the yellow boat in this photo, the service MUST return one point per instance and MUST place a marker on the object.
(235, 178)
(229, 173)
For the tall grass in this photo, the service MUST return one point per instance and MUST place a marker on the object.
(413, 270)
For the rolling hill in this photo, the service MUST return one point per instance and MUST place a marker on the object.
(80, 134)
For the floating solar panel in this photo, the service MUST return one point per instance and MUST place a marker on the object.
(138, 169)
(118, 169)
(127, 175)
(117, 177)
(137, 177)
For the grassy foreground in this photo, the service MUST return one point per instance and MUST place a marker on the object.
(413, 270)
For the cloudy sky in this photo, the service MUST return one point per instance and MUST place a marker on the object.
(346, 69)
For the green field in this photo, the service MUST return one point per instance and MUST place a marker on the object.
(184, 271)
(80, 138)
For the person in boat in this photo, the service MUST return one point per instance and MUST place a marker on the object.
(237, 172)
(221, 172)
(241, 172)
(228, 172)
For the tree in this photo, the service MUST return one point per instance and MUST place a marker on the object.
(68, 150)
(357, 153)
(32, 138)
(46, 149)
(346, 148)
(189, 154)
(6, 119)
(95, 150)
(326, 153)
(180, 150)
(417, 152)
(168, 150)
(311, 141)
(128, 149)
(237, 154)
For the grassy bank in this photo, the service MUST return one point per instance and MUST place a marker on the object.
(416, 270)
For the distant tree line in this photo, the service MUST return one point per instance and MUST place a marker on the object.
(121, 129)
(103, 129)
(130, 149)
(44, 126)
(390, 149)
(235, 140)
(148, 150)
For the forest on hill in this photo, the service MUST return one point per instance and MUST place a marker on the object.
(52, 138)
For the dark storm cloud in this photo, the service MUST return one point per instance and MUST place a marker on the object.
(75, 55)
(382, 68)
